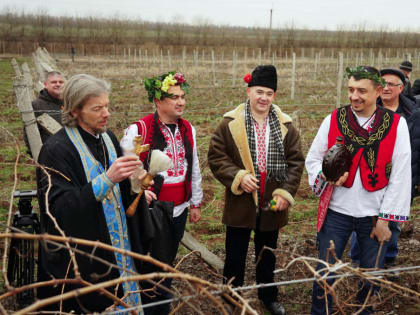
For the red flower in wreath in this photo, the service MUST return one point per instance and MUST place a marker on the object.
(247, 77)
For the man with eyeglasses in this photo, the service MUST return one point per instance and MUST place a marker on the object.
(392, 98)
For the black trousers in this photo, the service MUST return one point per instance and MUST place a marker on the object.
(237, 241)
(178, 229)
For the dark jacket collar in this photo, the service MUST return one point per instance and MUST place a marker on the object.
(406, 105)
(43, 94)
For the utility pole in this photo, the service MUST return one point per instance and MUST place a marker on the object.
(269, 32)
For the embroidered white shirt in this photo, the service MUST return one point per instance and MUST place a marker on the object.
(393, 200)
(196, 190)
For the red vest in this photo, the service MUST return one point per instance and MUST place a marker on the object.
(149, 129)
(371, 150)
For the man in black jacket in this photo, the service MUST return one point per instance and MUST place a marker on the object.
(49, 100)
(392, 98)
(406, 67)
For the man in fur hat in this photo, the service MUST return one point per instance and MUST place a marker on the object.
(255, 153)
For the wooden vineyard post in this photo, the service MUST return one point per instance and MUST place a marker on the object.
(140, 56)
(196, 59)
(213, 67)
(161, 60)
(418, 59)
(169, 59)
(234, 61)
(192, 244)
(28, 79)
(292, 90)
(24, 104)
(339, 78)
(380, 59)
(184, 52)
(15, 67)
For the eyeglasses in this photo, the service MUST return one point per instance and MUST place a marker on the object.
(390, 84)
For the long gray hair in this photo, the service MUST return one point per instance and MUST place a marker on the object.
(77, 91)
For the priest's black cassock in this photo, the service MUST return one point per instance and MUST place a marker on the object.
(79, 214)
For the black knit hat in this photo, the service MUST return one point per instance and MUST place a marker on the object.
(265, 76)
(406, 65)
(395, 72)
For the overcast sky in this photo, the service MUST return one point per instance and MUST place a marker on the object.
(312, 14)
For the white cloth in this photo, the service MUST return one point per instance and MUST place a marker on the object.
(356, 201)
(196, 190)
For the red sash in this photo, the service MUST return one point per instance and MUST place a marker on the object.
(324, 202)
(173, 192)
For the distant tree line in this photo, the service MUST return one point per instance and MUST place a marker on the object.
(43, 29)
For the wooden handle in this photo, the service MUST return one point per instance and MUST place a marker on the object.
(133, 207)
(144, 185)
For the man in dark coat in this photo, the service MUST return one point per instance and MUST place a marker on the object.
(406, 67)
(87, 199)
(416, 90)
(255, 153)
(49, 100)
(393, 98)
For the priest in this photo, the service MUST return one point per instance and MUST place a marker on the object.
(86, 193)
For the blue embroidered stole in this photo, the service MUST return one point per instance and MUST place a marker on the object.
(110, 196)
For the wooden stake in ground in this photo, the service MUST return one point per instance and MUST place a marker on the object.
(339, 78)
(213, 67)
(24, 103)
(292, 92)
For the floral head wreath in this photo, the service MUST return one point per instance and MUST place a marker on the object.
(157, 87)
(361, 72)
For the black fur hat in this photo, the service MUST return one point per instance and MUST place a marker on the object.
(265, 76)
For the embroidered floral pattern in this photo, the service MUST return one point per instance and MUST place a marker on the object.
(175, 150)
(393, 217)
(319, 185)
(262, 156)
